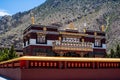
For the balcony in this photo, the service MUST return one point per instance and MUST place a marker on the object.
(72, 46)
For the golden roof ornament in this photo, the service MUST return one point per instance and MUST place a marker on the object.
(83, 40)
(84, 30)
(103, 28)
(95, 33)
(71, 26)
(59, 38)
(44, 28)
(32, 19)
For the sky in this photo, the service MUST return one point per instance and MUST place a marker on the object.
(10, 7)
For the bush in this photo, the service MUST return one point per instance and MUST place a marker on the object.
(115, 53)
(7, 54)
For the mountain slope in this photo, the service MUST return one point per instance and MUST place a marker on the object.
(93, 13)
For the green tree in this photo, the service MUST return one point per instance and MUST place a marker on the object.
(1, 53)
(118, 51)
(4, 54)
(108, 55)
(112, 55)
(7, 54)
(5, 57)
(12, 53)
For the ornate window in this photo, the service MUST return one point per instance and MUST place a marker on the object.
(97, 43)
(64, 39)
(41, 39)
(68, 39)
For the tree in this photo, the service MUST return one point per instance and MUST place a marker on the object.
(1, 53)
(108, 55)
(118, 51)
(4, 54)
(5, 57)
(12, 53)
(112, 53)
(7, 54)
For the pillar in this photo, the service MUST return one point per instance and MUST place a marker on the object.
(61, 54)
(82, 54)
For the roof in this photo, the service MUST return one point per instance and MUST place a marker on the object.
(53, 25)
(77, 59)
(94, 31)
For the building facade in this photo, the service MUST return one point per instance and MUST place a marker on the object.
(40, 40)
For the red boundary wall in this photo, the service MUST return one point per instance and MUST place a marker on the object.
(60, 68)
(61, 74)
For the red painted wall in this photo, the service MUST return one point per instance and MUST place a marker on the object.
(61, 74)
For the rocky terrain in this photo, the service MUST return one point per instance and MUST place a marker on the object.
(90, 14)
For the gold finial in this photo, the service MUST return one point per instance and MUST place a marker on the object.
(84, 30)
(59, 38)
(103, 28)
(71, 26)
(95, 33)
(44, 28)
(83, 40)
(32, 19)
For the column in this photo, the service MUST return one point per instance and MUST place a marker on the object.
(61, 54)
(82, 54)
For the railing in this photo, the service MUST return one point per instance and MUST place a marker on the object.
(74, 46)
(28, 62)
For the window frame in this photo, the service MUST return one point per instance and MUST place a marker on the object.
(39, 39)
(98, 43)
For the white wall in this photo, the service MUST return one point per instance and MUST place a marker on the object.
(50, 42)
(26, 43)
(103, 46)
(33, 42)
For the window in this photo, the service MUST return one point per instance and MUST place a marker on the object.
(41, 39)
(68, 39)
(97, 43)
(63, 39)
